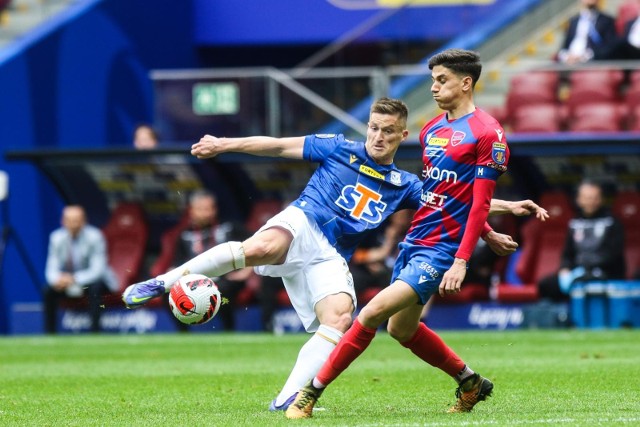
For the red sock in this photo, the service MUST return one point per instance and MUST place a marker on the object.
(428, 346)
(352, 344)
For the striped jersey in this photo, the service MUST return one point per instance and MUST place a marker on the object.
(455, 154)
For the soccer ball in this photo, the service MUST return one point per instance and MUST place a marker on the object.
(194, 299)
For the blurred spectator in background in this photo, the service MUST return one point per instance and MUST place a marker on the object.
(629, 43)
(77, 266)
(591, 35)
(594, 249)
(204, 232)
(145, 138)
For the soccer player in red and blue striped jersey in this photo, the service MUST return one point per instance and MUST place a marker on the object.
(464, 152)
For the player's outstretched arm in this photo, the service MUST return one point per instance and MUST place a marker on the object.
(210, 146)
(518, 208)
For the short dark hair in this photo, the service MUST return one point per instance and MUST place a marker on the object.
(391, 107)
(462, 62)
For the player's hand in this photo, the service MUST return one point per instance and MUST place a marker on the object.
(208, 146)
(452, 279)
(528, 207)
(500, 244)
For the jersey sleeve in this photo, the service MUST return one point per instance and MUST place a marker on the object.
(318, 147)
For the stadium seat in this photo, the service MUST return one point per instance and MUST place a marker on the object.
(597, 117)
(626, 207)
(537, 87)
(168, 246)
(542, 244)
(632, 94)
(509, 293)
(633, 119)
(126, 234)
(559, 205)
(634, 77)
(594, 86)
(547, 117)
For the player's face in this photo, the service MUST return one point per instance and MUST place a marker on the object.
(384, 135)
(448, 88)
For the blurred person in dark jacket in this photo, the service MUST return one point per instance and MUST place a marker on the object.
(594, 249)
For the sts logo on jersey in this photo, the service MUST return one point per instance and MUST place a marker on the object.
(362, 203)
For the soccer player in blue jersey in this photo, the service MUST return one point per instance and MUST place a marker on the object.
(464, 152)
(354, 189)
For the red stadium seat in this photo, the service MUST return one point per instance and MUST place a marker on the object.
(594, 86)
(632, 96)
(597, 117)
(634, 77)
(543, 243)
(559, 206)
(126, 234)
(168, 246)
(538, 118)
(537, 87)
(633, 119)
(626, 207)
(508, 293)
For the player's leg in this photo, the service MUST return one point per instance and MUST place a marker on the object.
(353, 343)
(334, 313)
(406, 327)
(423, 273)
(323, 296)
(387, 302)
(268, 246)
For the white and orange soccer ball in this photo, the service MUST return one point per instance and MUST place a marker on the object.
(194, 299)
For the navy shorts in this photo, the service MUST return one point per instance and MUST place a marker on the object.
(422, 268)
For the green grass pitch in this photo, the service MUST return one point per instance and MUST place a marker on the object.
(568, 377)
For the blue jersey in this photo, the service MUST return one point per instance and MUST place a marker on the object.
(349, 194)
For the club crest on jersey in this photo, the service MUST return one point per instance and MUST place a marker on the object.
(371, 172)
(362, 203)
(499, 152)
(353, 158)
(394, 178)
(457, 137)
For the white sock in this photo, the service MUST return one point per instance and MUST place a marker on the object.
(214, 262)
(465, 373)
(311, 357)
